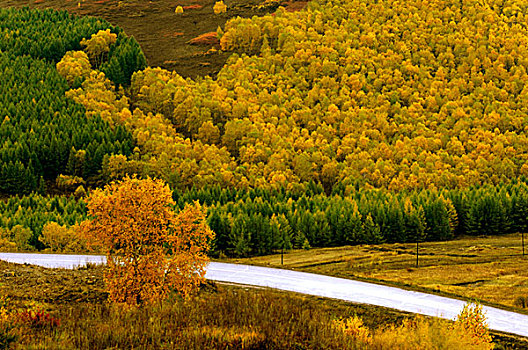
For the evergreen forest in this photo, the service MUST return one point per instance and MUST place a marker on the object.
(43, 133)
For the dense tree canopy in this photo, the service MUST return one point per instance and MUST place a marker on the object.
(389, 95)
(347, 122)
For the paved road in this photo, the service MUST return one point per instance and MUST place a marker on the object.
(324, 286)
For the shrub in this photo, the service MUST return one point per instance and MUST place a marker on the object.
(38, 319)
(521, 302)
(6, 244)
(7, 328)
(472, 321)
(219, 7)
(16, 238)
(22, 236)
(420, 333)
(354, 327)
(60, 238)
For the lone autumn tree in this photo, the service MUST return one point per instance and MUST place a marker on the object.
(150, 248)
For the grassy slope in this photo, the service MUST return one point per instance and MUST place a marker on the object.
(77, 299)
(491, 269)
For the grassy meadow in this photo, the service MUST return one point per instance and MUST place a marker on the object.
(490, 269)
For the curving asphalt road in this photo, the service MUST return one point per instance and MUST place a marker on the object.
(312, 284)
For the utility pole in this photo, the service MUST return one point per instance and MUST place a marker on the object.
(417, 253)
(522, 235)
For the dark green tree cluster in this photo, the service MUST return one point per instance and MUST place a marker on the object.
(42, 132)
(48, 34)
(45, 34)
(125, 58)
(40, 128)
(263, 221)
(34, 211)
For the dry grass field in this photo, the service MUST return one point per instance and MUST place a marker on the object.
(490, 269)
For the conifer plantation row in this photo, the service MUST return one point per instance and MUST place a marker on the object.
(257, 222)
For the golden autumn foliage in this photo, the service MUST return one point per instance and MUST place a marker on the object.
(219, 7)
(98, 95)
(467, 332)
(472, 321)
(380, 94)
(75, 65)
(419, 333)
(98, 46)
(150, 248)
(355, 328)
(60, 238)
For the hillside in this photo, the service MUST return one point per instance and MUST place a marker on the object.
(364, 103)
(343, 123)
(163, 35)
(398, 97)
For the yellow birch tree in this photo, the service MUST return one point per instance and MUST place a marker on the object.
(150, 248)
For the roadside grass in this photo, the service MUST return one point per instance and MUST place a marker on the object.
(67, 309)
(232, 318)
(490, 269)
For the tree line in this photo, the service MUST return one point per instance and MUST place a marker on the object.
(259, 222)
(251, 222)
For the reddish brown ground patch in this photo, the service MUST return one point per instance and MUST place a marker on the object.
(192, 7)
(210, 38)
(173, 34)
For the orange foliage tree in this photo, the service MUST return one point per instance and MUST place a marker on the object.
(150, 248)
